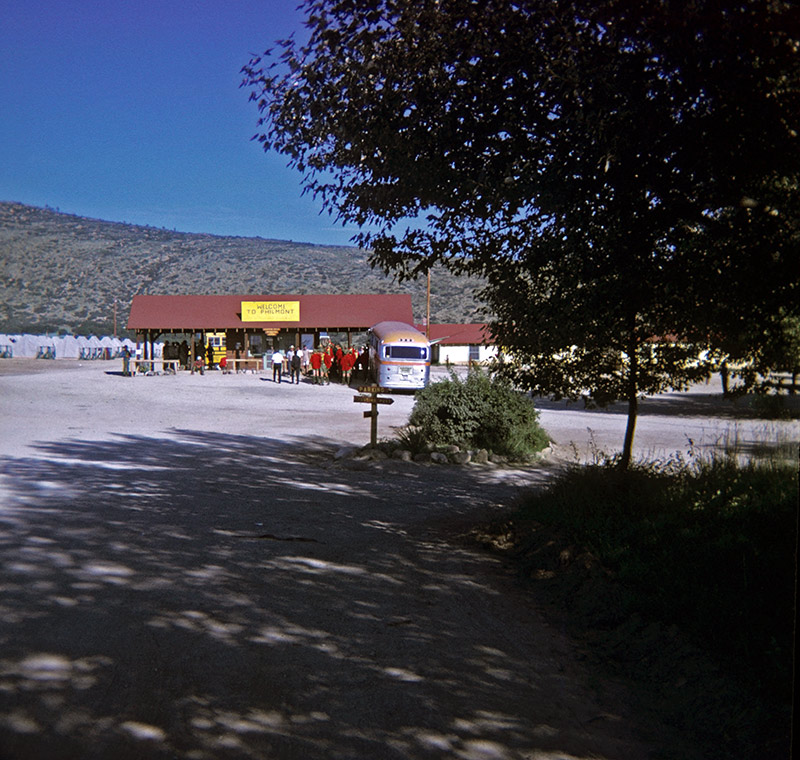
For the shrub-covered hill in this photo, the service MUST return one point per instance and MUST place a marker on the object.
(64, 273)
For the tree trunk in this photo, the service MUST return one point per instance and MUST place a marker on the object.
(633, 401)
(724, 375)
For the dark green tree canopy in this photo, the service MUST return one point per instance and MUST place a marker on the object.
(617, 171)
(514, 115)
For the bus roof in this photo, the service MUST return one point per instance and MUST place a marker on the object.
(398, 332)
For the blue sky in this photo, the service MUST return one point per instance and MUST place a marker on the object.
(132, 111)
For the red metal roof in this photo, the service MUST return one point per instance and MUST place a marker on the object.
(453, 334)
(167, 313)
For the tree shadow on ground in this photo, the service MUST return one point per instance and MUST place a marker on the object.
(206, 595)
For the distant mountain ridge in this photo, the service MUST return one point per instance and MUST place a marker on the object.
(63, 273)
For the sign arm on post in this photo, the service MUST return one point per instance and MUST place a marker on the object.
(373, 399)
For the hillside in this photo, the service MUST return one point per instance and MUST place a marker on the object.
(63, 273)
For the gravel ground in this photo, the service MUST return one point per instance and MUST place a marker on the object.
(189, 573)
(45, 400)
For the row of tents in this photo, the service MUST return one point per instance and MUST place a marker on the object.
(67, 347)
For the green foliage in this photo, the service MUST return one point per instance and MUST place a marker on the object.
(752, 354)
(711, 545)
(771, 406)
(615, 175)
(412, 439)
(478, 413)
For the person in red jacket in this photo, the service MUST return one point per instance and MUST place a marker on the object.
(327, 361)
(347, 360)
(316, 366)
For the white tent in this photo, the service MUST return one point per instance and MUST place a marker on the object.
(67, 347)
(109, 347)
(33, 346)
(85, 347)
(94, 348)
(14, 342)
(25, 346)
(116, 347)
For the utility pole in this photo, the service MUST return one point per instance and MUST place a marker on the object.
(428, 308)
(115, 317)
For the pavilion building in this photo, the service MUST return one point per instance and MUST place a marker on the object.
(255, 324)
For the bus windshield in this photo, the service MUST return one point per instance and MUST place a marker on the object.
(418, 353)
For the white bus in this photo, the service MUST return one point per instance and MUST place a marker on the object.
(399, 356)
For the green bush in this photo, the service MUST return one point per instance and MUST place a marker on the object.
(478, 413)
(711, 544)
(771, 406)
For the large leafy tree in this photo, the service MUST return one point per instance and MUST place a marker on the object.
(623, 175)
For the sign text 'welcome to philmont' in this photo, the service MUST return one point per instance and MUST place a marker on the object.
(270, 311)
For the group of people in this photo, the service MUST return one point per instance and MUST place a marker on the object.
(204, 356)
(293, 361)
(179, 351)
(331, 362)
(171, 350)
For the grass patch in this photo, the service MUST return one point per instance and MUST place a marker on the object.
(703, 551)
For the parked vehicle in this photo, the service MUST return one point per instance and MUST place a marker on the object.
(399, 356)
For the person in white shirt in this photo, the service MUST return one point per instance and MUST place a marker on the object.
(277, 366)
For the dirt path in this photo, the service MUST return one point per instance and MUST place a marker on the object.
(224, 598)
(188, 573)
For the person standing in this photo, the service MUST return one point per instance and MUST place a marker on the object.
(336, 368)
(316, 366)
(277, 366)
(327, 361)
(295, 366)
(348, 360)
(362, 365)
(287, 361)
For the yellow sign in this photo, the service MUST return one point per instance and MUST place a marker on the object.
(270, 311)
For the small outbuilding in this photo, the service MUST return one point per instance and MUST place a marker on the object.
(453, 343)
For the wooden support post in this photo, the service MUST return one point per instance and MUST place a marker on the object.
(373, 399)
(373, 427)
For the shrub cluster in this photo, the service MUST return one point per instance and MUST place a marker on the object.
(478, 412)
(709, 543)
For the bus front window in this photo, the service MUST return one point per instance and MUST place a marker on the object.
(415, 353)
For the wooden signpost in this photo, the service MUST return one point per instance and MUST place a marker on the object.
(374, 399)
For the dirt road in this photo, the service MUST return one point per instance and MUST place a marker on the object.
(188, 573)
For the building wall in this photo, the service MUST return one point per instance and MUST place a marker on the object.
(461, 354)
